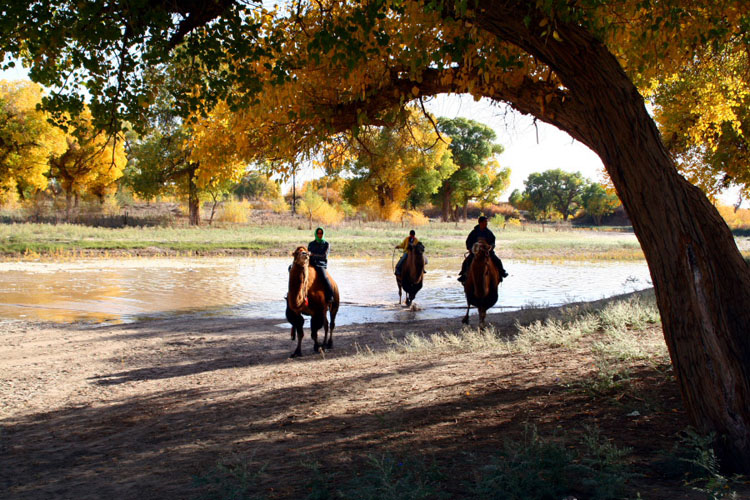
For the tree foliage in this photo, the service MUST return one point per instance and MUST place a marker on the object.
(555, 190)
(478, 175)
(27, 140)
(703, 111)
(598, 202)
(391, 160)
(91, 163)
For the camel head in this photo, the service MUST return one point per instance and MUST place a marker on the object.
(481, 248)
(418, 248)
(301, 257)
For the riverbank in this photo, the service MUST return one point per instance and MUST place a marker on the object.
(67, 241)
(212, 407)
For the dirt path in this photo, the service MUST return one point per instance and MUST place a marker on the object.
(139, 410)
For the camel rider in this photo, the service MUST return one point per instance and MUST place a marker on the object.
(481, 231)
(409, 241)
(318, 249)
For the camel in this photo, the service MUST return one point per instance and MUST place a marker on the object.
(412, 273)
(481, 282)
(307, 296)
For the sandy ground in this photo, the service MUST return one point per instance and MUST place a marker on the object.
(139, 410)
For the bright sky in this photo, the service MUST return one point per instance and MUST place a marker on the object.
(528, 148)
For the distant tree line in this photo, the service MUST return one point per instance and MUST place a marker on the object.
(555, 194)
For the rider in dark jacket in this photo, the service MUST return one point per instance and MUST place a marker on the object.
(318, 249)
(481, 231)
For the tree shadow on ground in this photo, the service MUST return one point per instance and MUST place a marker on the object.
(152, 446)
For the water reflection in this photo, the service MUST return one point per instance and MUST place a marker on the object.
(128, 290)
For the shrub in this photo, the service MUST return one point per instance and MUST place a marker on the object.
(414, 218)
(315, 208)
(234, 211)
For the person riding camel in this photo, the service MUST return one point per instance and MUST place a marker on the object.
(481, 231)
(409, 241)
(318, 249)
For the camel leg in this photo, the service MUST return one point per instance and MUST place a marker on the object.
(334, 310)
(465, 321)
(298, 322)
(482, 315)
(399, 291)
(315, 323)
(298, 351)
(325, 328)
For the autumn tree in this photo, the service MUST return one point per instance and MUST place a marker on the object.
(300, 75)
(91, 164)
(391, 159)
(703, 112)
(196, 157)
(27, 140)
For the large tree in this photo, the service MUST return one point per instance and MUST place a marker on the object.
(329, 65)
(91, 164)
(473, 146)
(555, 189)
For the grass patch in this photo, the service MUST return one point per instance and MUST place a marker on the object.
(532, 468)
(617, 323)
(692, 459)
(280, 238)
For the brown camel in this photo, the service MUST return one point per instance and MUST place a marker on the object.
(307, 296)
(412, 273)
(481, 282)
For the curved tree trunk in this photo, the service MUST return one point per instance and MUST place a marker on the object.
(702, 282)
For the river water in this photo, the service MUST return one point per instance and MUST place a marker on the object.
(116, 291)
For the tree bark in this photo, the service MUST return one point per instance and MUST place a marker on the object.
(701, 281)
(446, 199)
(194, 206)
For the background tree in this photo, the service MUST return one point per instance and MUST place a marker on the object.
(256, 185)
(555, 189)
(388, 158)
(597, 202)
(27, 140)
(193, 157)
(472, 146)
(326, 67)
(91, 164)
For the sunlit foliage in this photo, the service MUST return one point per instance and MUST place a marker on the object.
(393, 162)
(27, 140)
(91, 163)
